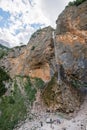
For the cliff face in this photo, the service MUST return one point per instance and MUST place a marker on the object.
(37, 59)
(71, 41)
(71, 55)
(32, 60)
(73, 19)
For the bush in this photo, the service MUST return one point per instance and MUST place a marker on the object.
(3, 51)
(33, 47)
(13, 110)
(30, 90)
(11, 100)
(3, 77)
(76, 2)
(39, 83)
(78, 84)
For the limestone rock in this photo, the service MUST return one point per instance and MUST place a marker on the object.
(32, 60)
(63, 98)
(71, 41)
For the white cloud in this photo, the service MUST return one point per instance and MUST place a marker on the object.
(23, 13)
(52, 8)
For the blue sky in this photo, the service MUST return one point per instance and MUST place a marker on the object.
(4, 18)
(20, 18)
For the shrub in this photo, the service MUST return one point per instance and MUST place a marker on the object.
(30, 90)
(78, 84)
(13, 110)
(76, 2)
(3, 77)
(11, 100)
(33, 47)
(2, 53)
(39, 83)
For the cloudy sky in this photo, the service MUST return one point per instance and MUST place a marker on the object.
(20, 18)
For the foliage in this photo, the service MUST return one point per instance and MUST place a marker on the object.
(12, 110)
(75, 81)
(3, 53)
(3, 77)
(13, 107)
(11, 100)
(77, 84)
(30, 90)
(32, 86)
(3, 47)
(33, 47)
(39, 83)
(76, 2)
(48, 95)
(36, 33)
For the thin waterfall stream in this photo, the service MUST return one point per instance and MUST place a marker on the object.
(56, 59)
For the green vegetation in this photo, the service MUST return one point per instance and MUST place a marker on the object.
(33, 47)
(3, 77)
(36, 33)
(39, 83)
(31, 87)
(3, 51)
(15, 106)
(48, 95)
(78, 84)
(30, 90)
(18, 47)
(75, 82)
(12, 109)
(76, 2)
(3, 47)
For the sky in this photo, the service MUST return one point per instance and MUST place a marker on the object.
(20, 18)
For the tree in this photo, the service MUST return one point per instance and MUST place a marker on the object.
(76, 2)
(3, 77)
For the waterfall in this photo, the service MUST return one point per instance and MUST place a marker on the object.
(55, 49)
(56, 59)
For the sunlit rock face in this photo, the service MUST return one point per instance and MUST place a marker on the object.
(40, 51)
(71, 51)
(34, 59)
(71, 41)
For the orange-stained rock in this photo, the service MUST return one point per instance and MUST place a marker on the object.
(43, 72)
(71, 40)
(32, 60)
